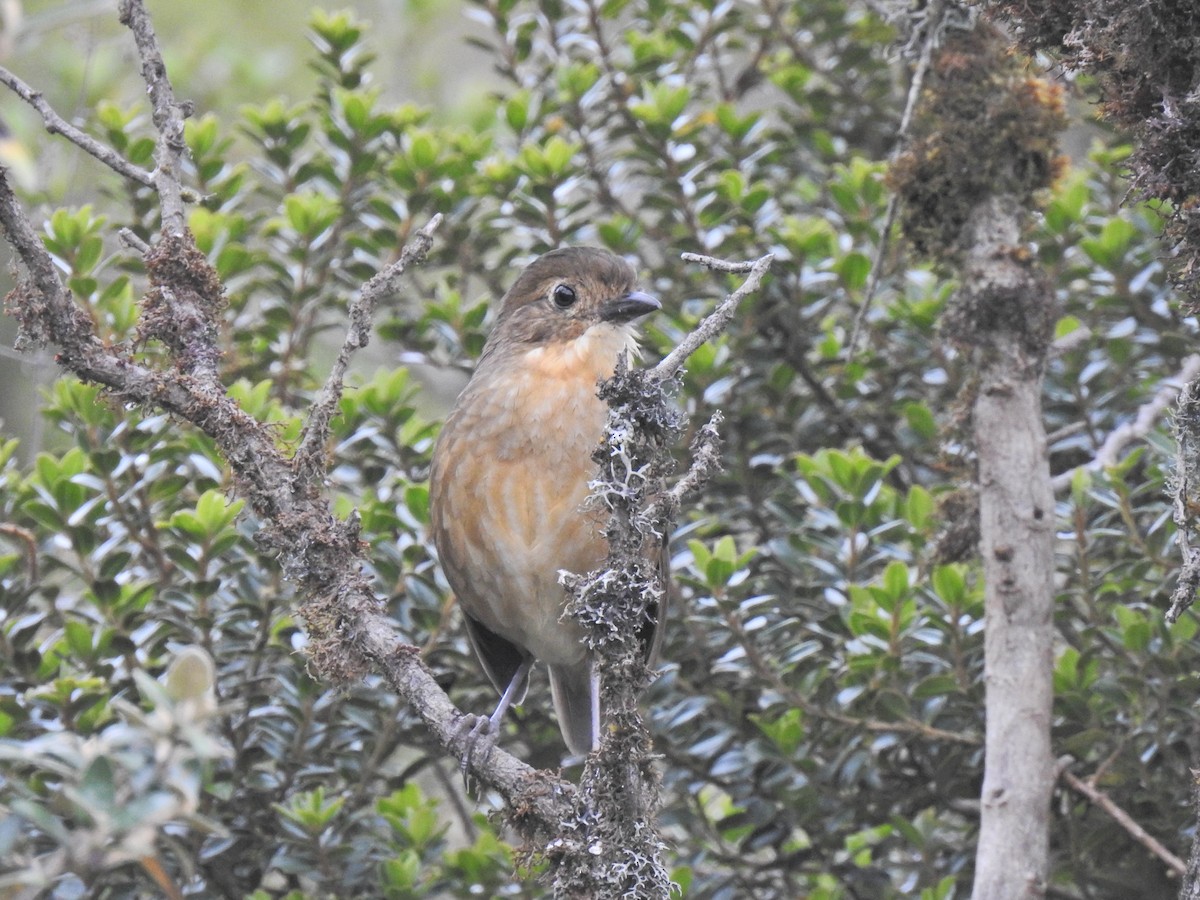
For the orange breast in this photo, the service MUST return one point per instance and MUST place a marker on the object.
(508, 491)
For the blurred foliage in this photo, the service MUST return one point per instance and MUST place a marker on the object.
(819, 711)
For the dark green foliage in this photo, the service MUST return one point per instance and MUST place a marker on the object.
(819, 712)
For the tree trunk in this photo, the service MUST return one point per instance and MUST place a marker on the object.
(1010, 306)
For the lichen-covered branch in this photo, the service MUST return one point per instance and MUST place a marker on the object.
(610, 847)
(349, 630)
(1185, 494)
(309, 459)
(168, 116)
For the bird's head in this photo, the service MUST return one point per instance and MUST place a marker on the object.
(564, 294)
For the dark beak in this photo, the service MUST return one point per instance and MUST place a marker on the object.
(627, 308)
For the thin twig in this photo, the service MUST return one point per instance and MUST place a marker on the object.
(1122, 818)
(309, 456)
(168, 117)
(56, 124)
(1148, 415)
(29, 542)
(131, 240)
(933, 19)
(717, 320)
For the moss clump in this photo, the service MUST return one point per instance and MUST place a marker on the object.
(1143, 58)
(983, 128)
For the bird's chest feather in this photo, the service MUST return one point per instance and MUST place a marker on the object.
(510, 477)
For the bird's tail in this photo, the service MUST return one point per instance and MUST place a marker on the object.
(576, 693)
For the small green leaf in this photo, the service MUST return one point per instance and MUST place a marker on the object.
(895, 579)
(949, 584)
(919, 507)
(79, 638)
(853, 269)
(1066, 325)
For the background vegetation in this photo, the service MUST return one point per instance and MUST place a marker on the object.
(820, 708)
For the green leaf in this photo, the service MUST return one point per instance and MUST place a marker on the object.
(1111, 244)
(1066, 207)
(920, 420)
(935, 686)
(97, 787)
(895, 579)
(402, 872)
(949, 584)
(786, 730)
(516, 111)
(416, 499)
(558, 155)
(700, 554)
(423, 150)
(853, 268)
(1066, 325)
(311, 810)
(919, 507)
(79, 638)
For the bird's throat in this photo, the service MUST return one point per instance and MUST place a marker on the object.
(590, 357)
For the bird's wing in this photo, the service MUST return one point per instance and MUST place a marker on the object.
(500, 657)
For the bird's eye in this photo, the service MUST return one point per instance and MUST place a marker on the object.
(563, 296)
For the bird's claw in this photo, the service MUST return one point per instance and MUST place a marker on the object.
(478, 728)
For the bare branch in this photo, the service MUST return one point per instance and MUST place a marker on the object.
(1070, 341)
(308, 458)
(1122, 818)
(131, 240)
(1148, 415)
(56, 124)
(718, 265)
(167, 114)
(718, 320)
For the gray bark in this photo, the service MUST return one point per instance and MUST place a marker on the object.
(1011, 308)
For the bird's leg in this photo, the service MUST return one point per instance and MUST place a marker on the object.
(488, 727)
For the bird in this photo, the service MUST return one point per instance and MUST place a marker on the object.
(509, 477)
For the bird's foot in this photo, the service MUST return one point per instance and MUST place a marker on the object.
(481, 736)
